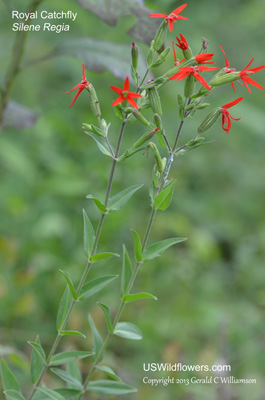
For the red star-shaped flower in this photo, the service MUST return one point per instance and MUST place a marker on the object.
(227, 67)
(226, 116)
(244, 75)
(172, 17)
(125, 94)
(80, 86)
(186, 71)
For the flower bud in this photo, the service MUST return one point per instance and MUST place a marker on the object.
(93, 100)
(159, 162)
(158, 122)
(223, 79)
(187, 53)
(151, 53)
(189, 86)
(147, 136)
(135, 55)
(138, 115)
(160, 35)
(209, 120)
(161, 58)
(155, 100)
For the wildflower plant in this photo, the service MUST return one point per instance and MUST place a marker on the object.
(129, 106)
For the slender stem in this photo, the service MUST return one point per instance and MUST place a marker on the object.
(142, 81)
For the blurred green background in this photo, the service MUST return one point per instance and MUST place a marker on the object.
(211, 289)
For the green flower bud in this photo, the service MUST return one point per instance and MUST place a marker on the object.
(138, 115)
(159, 162)
(135, 55)
(160, 35)
(209, 120)
(93, 100)
(155, 102)
(147, 136)
(187, 53)
(189, 86)
(158, 122)
(223, 79)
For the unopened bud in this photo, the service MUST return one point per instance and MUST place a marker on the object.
(161, 58)
(135, 55)
(158, 122)
(160, 35)
(154, 99)
(147, 136)
(138, 115)
(94, 102)
(159, 162)
(187, 53)
(189, 86)
(209, 120)
(223, 79)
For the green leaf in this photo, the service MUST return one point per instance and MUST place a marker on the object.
(109, 371)
(128, 331)
(36, 364)
(39, 350)
(106, 311)
(67, 356)
(64, 306)
(126, 271)
(51, 394)
(73, 369)
(94, 286)
(97, 339)
(69, 393)
(89, 235)
(102, 256)
(163, 199)
(156, 249)
(18, 117)
(138, 296)
(9, 381)
(70, 283)
(72, 333)
(101, 143)
(109, 387)
(117, 201)
(137, 247)
(118, 111)
(65, 376)
(13, 395)
(98, 203)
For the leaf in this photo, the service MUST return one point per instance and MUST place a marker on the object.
(89, 235)
(117, 201)
(18, 117)
(69, 393)
(126, 271)
(36, 364)
(101, 143)
(137, 247)
(67, 356)
(72, 333)
(64, 307)
(98, 203)
(156, 249)
(103, 256)
(97, 339)
(39, 350)
(118, 111)
(138, 296)
(163, 199)
(95, 286)
(109, 371)
(70, 283)
(109, 387)
(51, 394)
(9, 380)
(128, 331)
(73, 369)
(65, 376)
(13, 395)
(106, 311)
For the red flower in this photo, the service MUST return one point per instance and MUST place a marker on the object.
(226, 121)
(204, 57)
(246, 79)
(227, 67)
(183, 44)
(125, 94)
(80, 86)
(172, 17)
(186, 71)
(177, 62)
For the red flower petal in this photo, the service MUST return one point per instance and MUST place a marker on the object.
(133, 94)
(254, 83)
(84, 77)
(158, 15)
(132, 102)
(179, 9)
(126, 85)
(201, 80)
(118, 101)
(249, 64)
(116, 89)
(75, 97)
(232, 103)
(170, 25)
(227, 63)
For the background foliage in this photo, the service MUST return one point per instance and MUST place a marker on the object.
(210, 288)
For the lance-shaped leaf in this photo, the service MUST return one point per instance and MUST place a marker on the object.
(97, 339)
(138, 296)
(67, 356)
(65, 376)
(39, 350)
(106, 311)
(101, 143)
(13, 395)
(73, 369)
(64, 307)
(109, 387)
(36, 363)
(95, 286)
(137, 247)
(163, 199)
(69, 393)
(109, 371)
(70, 283)
(103, 256)
(89, 235)
(156, 249)
(72, 333)
(128, 331)
(51, 394)
(18, 117)
(8, 379)
(117, 201)
(98, 203)
(126, 271)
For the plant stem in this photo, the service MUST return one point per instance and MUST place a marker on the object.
(89, 264)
